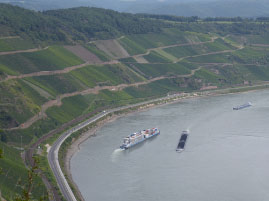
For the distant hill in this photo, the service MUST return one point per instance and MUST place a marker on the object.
(229, 8)
(81, 23)
(201, 8)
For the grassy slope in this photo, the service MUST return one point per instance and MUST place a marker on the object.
(15, 174)
(83, 78)
(247, 55)
(12, 44)
(155, 70)
(183, 51)
(19, 103)
(53, 58)
(138, 43)
(155, 57)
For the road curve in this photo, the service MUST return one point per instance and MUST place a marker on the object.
(54, 162)
(53, 153)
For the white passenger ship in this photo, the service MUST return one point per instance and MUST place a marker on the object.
(139, 137)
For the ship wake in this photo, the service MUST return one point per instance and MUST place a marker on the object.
(115, 154)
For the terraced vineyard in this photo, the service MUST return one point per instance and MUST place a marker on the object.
(52, 58)
(55, 86)
(14, 43)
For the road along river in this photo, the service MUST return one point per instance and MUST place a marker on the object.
(226, 156)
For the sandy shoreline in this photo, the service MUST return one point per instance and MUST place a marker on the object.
(75, 146)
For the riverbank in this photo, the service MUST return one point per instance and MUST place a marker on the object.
(75, 143)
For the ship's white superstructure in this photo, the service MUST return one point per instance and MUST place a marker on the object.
(138, 137)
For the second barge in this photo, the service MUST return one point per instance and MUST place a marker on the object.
(182, 141)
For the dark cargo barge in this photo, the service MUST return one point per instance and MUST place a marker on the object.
(182, 141)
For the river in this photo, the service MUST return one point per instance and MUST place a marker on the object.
(226, 156)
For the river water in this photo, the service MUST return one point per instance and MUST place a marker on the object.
(226, 156)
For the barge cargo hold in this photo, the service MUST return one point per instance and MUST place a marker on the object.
(139, 137)
(182, 141)
(242, 106)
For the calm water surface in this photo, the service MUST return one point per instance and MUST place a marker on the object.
(226, 156)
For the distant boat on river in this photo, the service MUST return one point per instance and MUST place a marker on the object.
(248, 104)
(182, 141)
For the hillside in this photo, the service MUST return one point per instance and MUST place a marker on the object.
(48, 84)
(72, 24)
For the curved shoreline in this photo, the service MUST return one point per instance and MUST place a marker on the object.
(75, 145)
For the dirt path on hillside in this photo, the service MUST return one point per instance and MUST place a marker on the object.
(71, 68)
(66, 70)
(9, 37)
(23, 51)
(95, 90)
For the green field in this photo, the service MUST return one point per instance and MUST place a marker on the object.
(128, 60)
(258, 39)
(155, 57)
(183, 51)
(71, 108)
(19, 103)
(131, 47)
(156, 70)
(12, 44)
(105, 75)
(214, 58)
(53, 58)
(56, 84)
(167, 37)
(208, 76)
(251, 56)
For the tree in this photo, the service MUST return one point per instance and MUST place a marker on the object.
(28, 187)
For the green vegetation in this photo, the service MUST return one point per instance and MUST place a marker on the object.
(128, 60)
(213, 58)
(53, 58)
(207, 76)
(16, 43)
(102, 23)
(131, 46)
(14, 175)
(166, 55)
(19, 103)
(155, 57)
(71, 108)
(184, 51)
(155, 70)
(251, 56)
(63, 26)
(246, 55)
